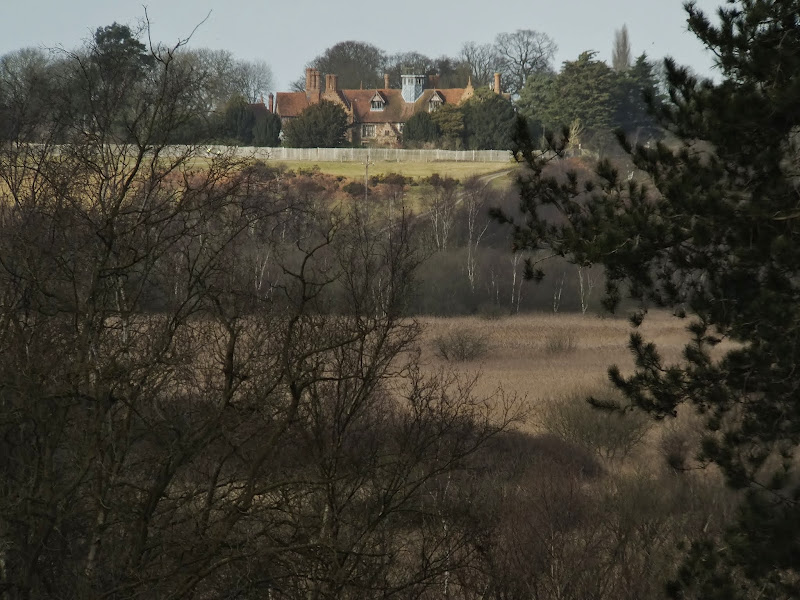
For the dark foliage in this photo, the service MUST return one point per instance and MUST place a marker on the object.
(714, 233)
(420, 129)
(488, 121)
(321, 125)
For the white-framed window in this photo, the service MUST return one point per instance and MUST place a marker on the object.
(367, 131)
(377, 104)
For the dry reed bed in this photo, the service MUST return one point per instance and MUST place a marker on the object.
(548, 356)
(522, 358)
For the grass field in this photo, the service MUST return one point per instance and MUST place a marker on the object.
(355, 170)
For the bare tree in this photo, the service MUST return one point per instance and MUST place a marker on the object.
(475, 211)
(221, 76)
(523, 53)
(587, 280)
(483, 61)
(254, 79)
(208, 385)
(442, 210)
(621, 51)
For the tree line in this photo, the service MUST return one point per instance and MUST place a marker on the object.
(36, 86)
(585, 94)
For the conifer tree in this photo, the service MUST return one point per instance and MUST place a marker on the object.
(488, 121)
(321, 125)
(421, 128)
(713, 234)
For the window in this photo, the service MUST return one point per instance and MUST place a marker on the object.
(367, 131)
(377, 104)
(434, 104)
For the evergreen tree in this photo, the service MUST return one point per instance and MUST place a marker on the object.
(420, 129)
(321, 125)
(238, 121)
(583, 90)
(450, 121)
(267, 130)
(488, 121)
(636, 90)
(537, 103)
(718, 238)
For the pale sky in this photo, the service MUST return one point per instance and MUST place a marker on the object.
(289, 33)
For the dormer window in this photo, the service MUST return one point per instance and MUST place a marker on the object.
(435, 103)
(377, 102)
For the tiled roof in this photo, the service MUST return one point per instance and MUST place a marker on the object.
(259, 108)
(395, 110)
(290, 104)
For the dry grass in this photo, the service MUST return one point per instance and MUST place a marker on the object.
(355, 170)
(522, 360)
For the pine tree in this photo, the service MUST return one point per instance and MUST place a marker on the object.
(715, 234)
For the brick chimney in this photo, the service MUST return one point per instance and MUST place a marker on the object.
(312, 85)
(271, 102)
(497, 83)
(331, 83)
(386, 81)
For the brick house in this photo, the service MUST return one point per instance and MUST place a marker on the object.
(375, 117)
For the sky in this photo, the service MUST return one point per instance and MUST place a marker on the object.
(289, 33)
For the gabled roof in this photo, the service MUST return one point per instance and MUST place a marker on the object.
(378, 95)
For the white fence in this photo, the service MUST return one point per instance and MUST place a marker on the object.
(368, 154)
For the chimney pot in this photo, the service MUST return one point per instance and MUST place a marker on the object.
(386, 81)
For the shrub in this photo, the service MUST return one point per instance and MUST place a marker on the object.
(354, 188)
(562, 341)
(609, 434)
(460, 345)
(676, 445)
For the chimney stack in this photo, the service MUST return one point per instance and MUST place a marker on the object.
(331, 83)
(497, 83)
(312, 85)
(386, 81)
(271, 102)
